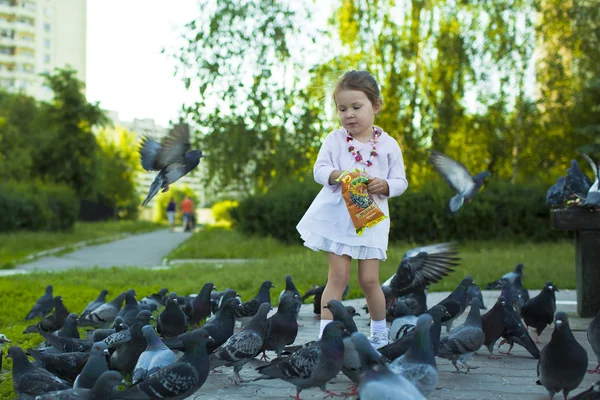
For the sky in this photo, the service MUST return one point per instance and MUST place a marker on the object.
(125, 70)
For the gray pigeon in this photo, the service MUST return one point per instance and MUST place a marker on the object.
(69, 329)
(282, 327)
(154, 358)
(195, 352)
(563, 362)
(3, 340)
(156, 298)
(173, 158)
(98, 335)
(172, 321)
(290, 289)
(593, 393)
(556, 196)
(64, 365)
(593, 336)
(577, 184)
(30, 380)
(418, 364)
(105, 388)
(311, 366)
(592, 198)
(94, 368)
(521, 294)
(130, 310)
(125, 356)
(459, 178)
(539, 311)
(93, 305)
(474, 291)
(422, 266)
(464, 340)
(174, 382)
(402, 317)
(52, 322)
(250, 307)
(509, 276)
(104, 316)
(492, 324)
(456, 302)
(243, 345)
(65, 344)
(42, 306)
(222, 326)
(377, 382)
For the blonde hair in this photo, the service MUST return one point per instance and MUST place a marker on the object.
(362, 81)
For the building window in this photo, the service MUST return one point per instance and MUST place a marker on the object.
(47, 58)
(47, 11)
(47, 28)
(47, 43)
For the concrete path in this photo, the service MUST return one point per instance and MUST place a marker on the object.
(143, 250)
(510, 377)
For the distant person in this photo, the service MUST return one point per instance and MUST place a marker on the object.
(171, 209)
(187, 208)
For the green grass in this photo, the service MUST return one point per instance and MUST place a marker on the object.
(485, 261)
(15, 246)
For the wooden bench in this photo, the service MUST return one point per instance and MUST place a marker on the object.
(586, 225)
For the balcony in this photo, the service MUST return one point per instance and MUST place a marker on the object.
(24, 27)
(7, 58)
(6, 9)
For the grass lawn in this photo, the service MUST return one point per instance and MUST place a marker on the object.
(485, 261)
(15, 246)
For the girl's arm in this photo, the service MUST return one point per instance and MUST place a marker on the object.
(396, 178)
(324, 171)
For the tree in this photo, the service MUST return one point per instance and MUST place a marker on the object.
(68, 146)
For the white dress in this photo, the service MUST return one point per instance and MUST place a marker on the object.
(327, 225)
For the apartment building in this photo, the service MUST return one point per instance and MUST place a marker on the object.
(37, 36)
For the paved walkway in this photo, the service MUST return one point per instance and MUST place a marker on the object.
(510, 377)
(143, 250)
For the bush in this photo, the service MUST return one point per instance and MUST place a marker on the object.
(36, 206)
(501, 210)
(221, 211)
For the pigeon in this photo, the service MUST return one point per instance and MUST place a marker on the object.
(593, 336)
(200, 305)
(377, 382)
(464, 340)
(173, 158)
(521, 294)
(577, 183)
(69, 329)
(124, 358)
(154, 358)
(397, 348)
(243, 345)
(514, 330)
(3, 339)
(456, 302)
(172, 321)
(509, 276)
(30, 380)
(64, 365)
(402, 316)
(52, 322)
(156, 298)
(311, 366)
(421, 266)
(250, 307)
(222, 326)
(563, 362)
(130, 310)
(282, 327)
(175, 382)
(195, 352)
(417, 365)
(104, 316)
(592, 198)
(67, 345)
(98, 335)
(93, 305)
(290, 288)
(474, 291)
(352, 311)
(105, 388)
(218, 298)
(94, 368)
(317, 292)
(414, 304)
(539, 311)
(593, 393)
(459, 178)
(42, 306)
(492, 324)
(556, 196)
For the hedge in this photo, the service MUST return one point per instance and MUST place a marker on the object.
(501, 210)
(37, 206)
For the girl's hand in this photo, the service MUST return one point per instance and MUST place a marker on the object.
(378, 186)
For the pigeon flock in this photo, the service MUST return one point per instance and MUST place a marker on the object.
(576, 188)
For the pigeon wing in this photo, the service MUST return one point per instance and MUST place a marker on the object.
(454, 173)
(150, 151)
(300, 365)
(175, 145)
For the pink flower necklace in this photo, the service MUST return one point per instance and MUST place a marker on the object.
(356, 154)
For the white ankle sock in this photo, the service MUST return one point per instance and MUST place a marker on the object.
(378, 326)
(324, 323)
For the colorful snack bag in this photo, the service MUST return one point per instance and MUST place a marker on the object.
(363, 210)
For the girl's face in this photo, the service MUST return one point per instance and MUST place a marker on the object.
(356, 112)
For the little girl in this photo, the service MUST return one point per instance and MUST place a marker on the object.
(327, 225)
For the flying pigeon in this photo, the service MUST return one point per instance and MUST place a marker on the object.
(421, 266)
(539, 311)
(459, 178)
(173, 158)
(593, 336)
(563, 362)
(592, 198)
(492, 324)
(42, 306)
